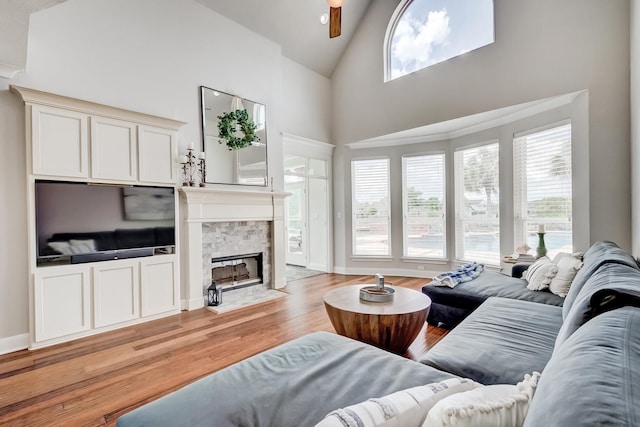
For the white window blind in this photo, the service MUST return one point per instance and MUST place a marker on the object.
(542, 188)
(424, 206)
(477, 204)
(371, 218)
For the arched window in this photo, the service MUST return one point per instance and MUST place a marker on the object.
(424, 32)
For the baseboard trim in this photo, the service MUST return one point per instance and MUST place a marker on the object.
(426, 274)
(192, 304)
(317, 267)
(14, 343)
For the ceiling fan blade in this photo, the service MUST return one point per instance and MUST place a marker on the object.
(334, 21)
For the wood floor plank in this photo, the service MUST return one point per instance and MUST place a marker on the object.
(92, 381)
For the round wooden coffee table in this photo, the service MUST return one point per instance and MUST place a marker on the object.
(391, 326)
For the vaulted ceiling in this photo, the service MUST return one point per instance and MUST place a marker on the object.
(295, 25)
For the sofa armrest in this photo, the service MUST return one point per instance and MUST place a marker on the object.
(518, 269)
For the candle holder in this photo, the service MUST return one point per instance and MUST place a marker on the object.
(542, 249)
(202, 170)
(188, 168)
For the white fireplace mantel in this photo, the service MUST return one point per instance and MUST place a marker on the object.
(200, 205)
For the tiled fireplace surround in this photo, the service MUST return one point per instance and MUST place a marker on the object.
(220, 222)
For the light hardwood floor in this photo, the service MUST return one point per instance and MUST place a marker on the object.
(92, 381)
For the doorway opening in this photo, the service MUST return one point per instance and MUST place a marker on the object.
(307, 214)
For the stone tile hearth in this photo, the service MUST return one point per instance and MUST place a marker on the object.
(240, 298)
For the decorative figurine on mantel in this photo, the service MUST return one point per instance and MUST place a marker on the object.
(542, 250)
(191, 165)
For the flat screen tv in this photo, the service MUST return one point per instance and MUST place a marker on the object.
(79, 222)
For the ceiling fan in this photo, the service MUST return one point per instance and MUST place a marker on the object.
(335, 17)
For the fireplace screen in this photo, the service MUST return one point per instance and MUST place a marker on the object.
(238, 271)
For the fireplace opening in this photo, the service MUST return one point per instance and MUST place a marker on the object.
(237, 271)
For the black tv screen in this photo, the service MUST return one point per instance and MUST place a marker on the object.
(79, 222)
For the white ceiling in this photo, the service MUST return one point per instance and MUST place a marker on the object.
(295, 25)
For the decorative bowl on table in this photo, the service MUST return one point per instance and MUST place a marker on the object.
(373, 293)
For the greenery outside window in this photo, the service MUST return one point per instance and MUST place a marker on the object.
(371, 218)
(477, 204)
(423, 188)
(543, 188)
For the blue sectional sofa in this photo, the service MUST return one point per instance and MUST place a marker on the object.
(450, 306)
(588, 351)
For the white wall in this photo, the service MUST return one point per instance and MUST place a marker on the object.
(306, 102)
(635, 124)
(543, 48)
(149, 56)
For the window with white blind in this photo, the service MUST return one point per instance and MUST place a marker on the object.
(542, 188)
(371, 220)
(423, 203)
(477, 204)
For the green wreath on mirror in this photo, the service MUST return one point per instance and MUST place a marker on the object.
(237, 129)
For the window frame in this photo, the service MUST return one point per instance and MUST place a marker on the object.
(391, 29)
(354, 246)
(405, 216)
(458, 186)
(520, 209)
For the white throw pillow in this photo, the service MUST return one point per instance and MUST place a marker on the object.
(400, 409)
(501, 405)
(560, 255)
(82, 246)
(540, 273)
(63, 247)
(568, 266)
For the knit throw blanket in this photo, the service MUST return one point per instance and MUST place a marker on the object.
(453, 278)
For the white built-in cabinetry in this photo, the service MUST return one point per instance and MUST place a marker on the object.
(74, 140)
(69, 144)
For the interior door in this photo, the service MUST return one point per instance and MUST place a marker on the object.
(296, 220)
(318, 221)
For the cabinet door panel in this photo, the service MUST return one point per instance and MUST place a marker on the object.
(62, 303)
(115, 293)
(159, 287)
(157, 155)
(60, 143)
(113, 149)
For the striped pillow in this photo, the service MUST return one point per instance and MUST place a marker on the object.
(540, 274)
(400, 409)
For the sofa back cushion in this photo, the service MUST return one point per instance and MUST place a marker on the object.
(598, 254)
(610, 287)
(592, 380)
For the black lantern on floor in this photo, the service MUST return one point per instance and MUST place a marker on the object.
(214, 294)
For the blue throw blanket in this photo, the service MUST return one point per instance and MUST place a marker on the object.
(463, 274)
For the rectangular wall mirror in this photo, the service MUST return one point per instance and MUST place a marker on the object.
(241, 158)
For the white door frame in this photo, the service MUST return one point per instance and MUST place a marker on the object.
(311, 149)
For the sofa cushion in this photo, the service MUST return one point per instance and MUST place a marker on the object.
(488, 284)
(499, 342)
(610, 287)
(135, 238)
(597, 255)
(592, 379)
(295, 384)
(467, 296)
